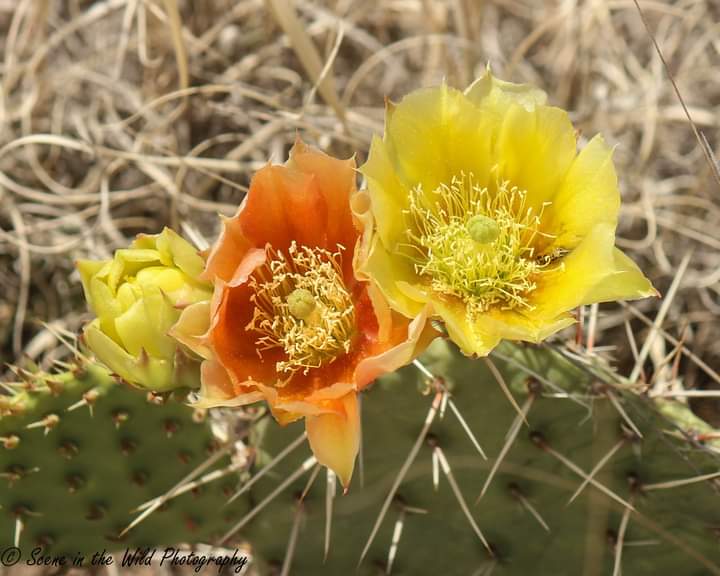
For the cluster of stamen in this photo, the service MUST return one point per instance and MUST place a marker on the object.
(477, 244)
(302, 307)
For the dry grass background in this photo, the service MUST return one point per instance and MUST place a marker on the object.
(124, 116)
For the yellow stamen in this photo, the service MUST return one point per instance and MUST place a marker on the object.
(477, 244)
(302, 307)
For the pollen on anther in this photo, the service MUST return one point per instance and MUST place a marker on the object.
(477, 243)
(302, 307)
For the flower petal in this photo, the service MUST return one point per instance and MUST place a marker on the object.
(176, 251)
(388, 196)
(217, 389)
(336, 181)
(588, 196)
(496, 95)
(191, 328)
(471, 338)
(418, 336)
(387, 271)
(479, 336)
(437, 133)
(625, 282)
(229, 249)
(512, 325)
(582, 271)
(535, 150)
(284, 205)
(304, 201)
(155, 373)
(234, 346)
(322, 401)
(88, 269)
(335, 438)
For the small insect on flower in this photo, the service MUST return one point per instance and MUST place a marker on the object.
(289, 321)
(479, 206)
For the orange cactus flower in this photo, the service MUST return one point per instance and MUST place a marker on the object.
(289, 321)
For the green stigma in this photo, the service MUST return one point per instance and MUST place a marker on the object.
(482, 229)
(301, 303)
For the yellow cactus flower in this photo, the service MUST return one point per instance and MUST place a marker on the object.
(479, 204)
(137, 296)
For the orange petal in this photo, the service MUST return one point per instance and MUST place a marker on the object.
(216, 388)
(335, 438)
(405, 347)
(234, 346)
(228, 251)
(284, 205)
(317, 385)
(336, 181)
(306, 200)
(320, 401)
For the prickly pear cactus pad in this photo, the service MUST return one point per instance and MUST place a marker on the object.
(647, 510)
(79, 452)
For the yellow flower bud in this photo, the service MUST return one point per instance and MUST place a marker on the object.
(137, 296)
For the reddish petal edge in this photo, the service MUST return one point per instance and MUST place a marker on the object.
(419, 335)
(216, 389)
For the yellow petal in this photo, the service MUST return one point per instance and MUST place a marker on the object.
(479, 336)
(132, 327)
(497, 95)
(128, 262)
(88, 269)
(513, 325)
(535, 150)
(588, 196)
(161, 315)
(191, 328)
(387, 271)
(361, 207)
(181, 253)
(105, 306)
(388, 195)
(625, 282)
(108, 352)
(335, 438)
(585, 268)
(166, 279)
(471, 338)
(143, 370)
(437, 133)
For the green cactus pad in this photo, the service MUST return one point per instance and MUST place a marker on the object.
(73, 477)
(672, 531)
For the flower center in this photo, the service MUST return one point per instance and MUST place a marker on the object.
(477, 244)
(302, 307)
